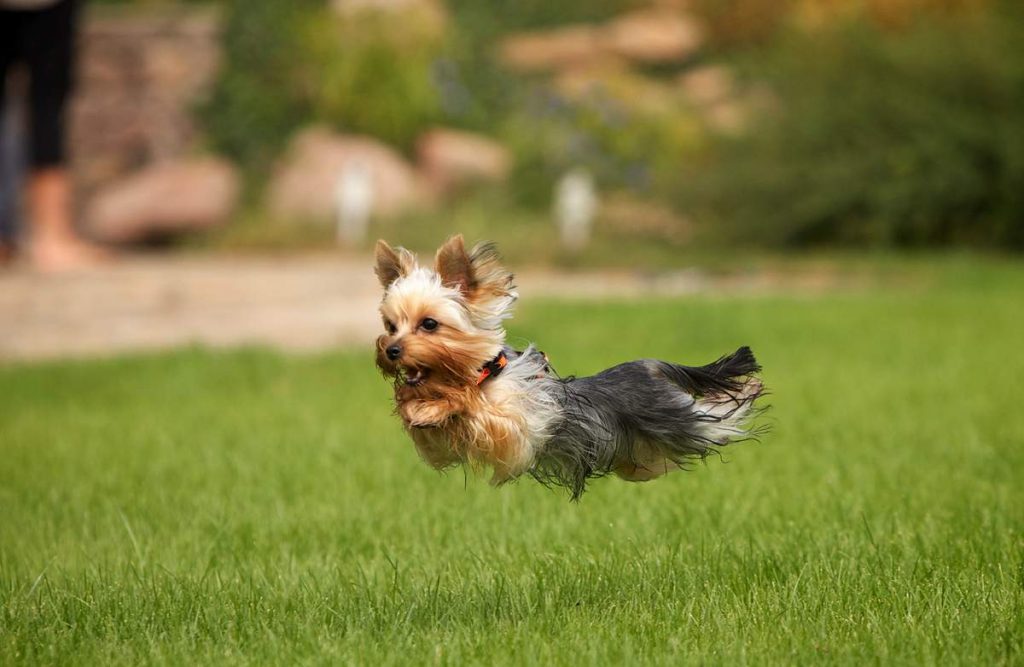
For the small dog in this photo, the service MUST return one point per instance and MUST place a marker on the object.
(465, 397)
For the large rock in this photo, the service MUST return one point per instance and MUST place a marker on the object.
(708, 84)
(163, 200)
(304, 185)
(450, 159)
(572, 46)
(653, 36)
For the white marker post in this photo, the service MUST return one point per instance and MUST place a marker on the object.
(353, 203)
(575, 208)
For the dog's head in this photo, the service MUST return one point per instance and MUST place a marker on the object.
(442, 323)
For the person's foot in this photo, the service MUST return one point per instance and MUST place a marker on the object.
(59, 253)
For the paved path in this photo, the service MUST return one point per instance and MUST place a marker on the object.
(290, 303)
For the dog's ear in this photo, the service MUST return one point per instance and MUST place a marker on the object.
(484, 282)
(454, 265)
(392, 263)
(491, 280)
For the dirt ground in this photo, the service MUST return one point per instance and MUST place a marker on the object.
(295, 303)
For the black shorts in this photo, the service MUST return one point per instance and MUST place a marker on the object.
(44, 41)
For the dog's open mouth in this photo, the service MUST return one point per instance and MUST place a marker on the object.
(415, 376)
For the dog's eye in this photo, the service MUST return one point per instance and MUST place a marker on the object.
(390, 326)
(428, 324)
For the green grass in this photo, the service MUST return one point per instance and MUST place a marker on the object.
(248, 507)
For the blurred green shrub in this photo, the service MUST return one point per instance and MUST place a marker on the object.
(910, 138)
(289, 63)
(622, 145)
(257, 102)
(738, 23)
(365, 76)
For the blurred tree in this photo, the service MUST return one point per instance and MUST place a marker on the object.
(289, 63)
(256, 103)
(908, 139)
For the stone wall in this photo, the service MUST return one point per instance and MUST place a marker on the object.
(140, 75)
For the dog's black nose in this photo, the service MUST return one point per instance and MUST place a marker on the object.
(393, 352)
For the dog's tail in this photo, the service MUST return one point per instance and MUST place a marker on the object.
(725, 393)
(728, 375)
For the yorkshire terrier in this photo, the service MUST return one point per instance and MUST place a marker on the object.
(465, 397)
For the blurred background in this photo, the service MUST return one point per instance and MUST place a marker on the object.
(644, 136)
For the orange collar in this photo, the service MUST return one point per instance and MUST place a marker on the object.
(492, 368)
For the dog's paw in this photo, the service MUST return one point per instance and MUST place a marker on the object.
(423, 414)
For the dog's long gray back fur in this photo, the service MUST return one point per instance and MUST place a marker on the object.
(605, 417)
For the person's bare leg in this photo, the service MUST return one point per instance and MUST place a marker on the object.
(55, 244)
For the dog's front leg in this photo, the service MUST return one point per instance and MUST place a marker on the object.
(422, 412)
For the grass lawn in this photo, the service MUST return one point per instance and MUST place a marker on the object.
(249, 507)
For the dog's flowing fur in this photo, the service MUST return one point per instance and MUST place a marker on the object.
(639, 420)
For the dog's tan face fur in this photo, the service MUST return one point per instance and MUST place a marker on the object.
(442, 323)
